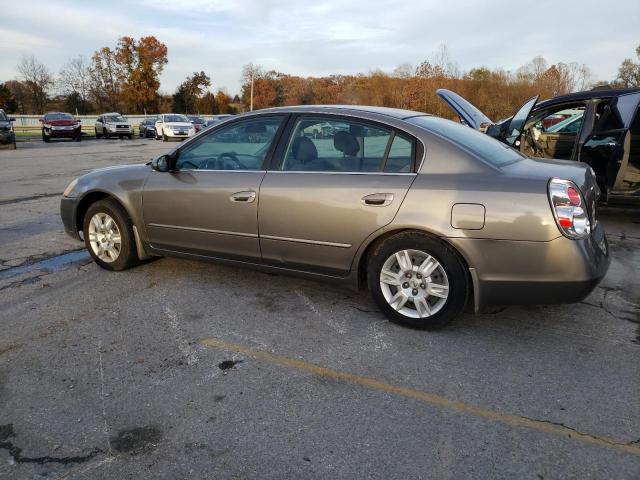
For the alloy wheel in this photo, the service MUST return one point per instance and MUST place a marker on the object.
(104, 237)
(414, 283)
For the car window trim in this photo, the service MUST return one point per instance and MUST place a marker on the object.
(230, 123)
(276, 165)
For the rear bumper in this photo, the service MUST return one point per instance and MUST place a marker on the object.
(538, 273)
(68, 208)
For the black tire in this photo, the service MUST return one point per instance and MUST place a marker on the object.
(13, 145)
(164, 137)
(98, 135)
(130, 136)
(128, 256)
(106, 134)
(456, 272)
(45, 138)
(79, 138)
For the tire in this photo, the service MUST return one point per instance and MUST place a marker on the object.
(13, 145)
(157, 137)
(127, 256)
(106, 134)
(448, 277)
(98, 135)
(45, 138)
(130, 136)
(164, 137)
(78, 138)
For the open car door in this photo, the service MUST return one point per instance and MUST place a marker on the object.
(465, 110)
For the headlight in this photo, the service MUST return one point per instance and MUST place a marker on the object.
(111, 127)
(69, 190)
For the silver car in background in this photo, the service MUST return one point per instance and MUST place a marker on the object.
(113, 124)
(430, 215)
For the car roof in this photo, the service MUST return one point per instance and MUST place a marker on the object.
(390, 112)
(586, 95)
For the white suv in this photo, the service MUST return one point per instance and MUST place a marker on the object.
(173, 125)
(113, 125)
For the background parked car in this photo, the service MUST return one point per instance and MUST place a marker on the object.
(198, 122)
(7, 135)
(113, 125)
(174, 126)
(217, 119)
(602, 129)
(147, 127)
(60, 125)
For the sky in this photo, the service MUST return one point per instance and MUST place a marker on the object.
(308, 38)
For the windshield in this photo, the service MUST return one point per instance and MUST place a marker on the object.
(176, 118)
(490, 150)
(149, 121)
(568, 125)
(58, 116)
(115, 118)
(3, 117)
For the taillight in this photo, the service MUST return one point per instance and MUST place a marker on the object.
(569, 209)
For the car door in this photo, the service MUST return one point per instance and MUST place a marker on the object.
(335, 181)
(208, 204)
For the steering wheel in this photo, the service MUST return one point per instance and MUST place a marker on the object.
(530, 141)
(187, 162)
(229, 161)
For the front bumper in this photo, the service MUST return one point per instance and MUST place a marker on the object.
(536, 273)
(7, 137)
(68, 209)
(172, 134)
(74, 133)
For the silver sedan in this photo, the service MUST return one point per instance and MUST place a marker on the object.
(430, 215)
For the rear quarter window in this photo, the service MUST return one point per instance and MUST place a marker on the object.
(488, 149)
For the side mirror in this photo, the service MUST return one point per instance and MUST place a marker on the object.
(160, 164)
(78, 120)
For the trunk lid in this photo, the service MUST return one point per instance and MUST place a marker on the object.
(469, 113)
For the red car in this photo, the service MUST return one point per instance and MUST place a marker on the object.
(60, 125)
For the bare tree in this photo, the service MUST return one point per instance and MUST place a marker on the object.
(75, 77)
(629, 72)
(38, 80)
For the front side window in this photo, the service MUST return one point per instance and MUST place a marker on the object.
(327, 145)
(240, 146)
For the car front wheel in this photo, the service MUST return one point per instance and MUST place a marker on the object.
(108, 235)
(418, 281)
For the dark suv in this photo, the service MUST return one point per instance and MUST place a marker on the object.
(600, 127)
(7, 135)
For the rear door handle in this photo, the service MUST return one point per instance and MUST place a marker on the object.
(378, 199)
(247, 197)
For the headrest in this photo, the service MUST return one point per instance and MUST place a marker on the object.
(304, 150)
(346, 143)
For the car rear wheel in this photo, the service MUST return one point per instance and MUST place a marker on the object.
(45, 138)
(98, 135)
(418, 281)
(164, 137)
(108, 235)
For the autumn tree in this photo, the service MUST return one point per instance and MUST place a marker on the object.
(37, 80)
(189, 92)
(223, 101)
(140, 64)
(105, 79)
(7, 100)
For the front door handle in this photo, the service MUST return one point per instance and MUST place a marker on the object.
(378, 199)
(247, 197)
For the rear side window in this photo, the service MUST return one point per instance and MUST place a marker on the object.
(320, 144)
(489, 149)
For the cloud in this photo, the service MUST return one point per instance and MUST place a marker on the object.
(320, 38)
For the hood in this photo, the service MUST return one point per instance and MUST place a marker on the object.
(61, 123)
(133, 167)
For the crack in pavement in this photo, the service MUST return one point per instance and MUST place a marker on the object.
(32, 197)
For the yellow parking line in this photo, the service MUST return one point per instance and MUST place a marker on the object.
(425, 397)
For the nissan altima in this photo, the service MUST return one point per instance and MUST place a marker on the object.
(430, 215)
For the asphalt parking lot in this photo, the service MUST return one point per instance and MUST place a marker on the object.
(178, 369)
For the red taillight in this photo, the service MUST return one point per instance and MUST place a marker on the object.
(574, 196)
(566, 203)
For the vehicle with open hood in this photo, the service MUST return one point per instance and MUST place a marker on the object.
(600, 128)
